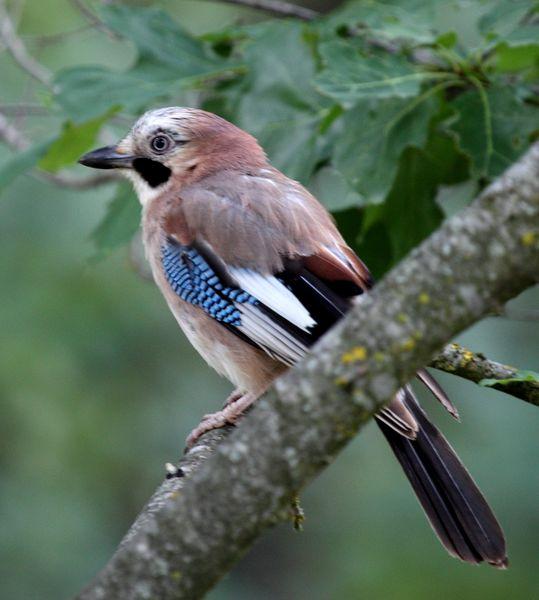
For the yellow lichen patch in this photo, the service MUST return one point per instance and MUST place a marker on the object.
(402, 317)
(354, 355)
(344, 430)
(341, 381)
(528, 238)
(408, 344)
(467, 357)
(423, 298)
(176, 575)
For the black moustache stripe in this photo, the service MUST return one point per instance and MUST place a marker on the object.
(153, 172)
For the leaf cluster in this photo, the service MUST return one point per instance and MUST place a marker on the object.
(391, 112)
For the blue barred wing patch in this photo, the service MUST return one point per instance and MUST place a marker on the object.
(196, 282)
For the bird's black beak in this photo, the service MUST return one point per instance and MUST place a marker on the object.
(108, 157)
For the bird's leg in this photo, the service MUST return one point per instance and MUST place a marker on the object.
(234, 397)
(236, 404)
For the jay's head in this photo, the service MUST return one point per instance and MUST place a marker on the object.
(179, 145)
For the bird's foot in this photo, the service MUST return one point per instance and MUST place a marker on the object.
(236, 404)
(234, 397)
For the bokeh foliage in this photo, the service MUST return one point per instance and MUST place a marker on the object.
(377, 105)
(394, 114)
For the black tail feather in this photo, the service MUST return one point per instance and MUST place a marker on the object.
(456, 509)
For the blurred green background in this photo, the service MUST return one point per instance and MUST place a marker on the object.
(99, 389)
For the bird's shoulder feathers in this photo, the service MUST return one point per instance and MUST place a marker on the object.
(253, 219)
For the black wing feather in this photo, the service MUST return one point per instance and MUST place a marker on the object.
(456, 509)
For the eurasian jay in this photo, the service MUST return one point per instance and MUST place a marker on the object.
(255, 271)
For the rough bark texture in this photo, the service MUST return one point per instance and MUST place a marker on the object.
(197, 526)
(475, 367)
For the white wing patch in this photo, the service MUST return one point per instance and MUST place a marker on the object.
(275, 295)
(270, 336)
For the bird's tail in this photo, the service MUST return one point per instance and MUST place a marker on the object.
(456, 509)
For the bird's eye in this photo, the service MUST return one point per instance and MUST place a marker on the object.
(160, 143)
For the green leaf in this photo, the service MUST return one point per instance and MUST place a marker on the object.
(169, 60)
(21, 162)
(276, 101)
(505, 17)
(84, 92)
(330, 187)
(161, 40)
(493, 127)
(518, 377)
(373, 137)
(374, 244)
(524, 36)
(74, 140)
(515, 58)
(518, 37)
(349, 76)
(398, 19)
(410, 211)
(448, 39)
(120, 222)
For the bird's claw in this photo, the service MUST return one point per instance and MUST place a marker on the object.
(234, 408)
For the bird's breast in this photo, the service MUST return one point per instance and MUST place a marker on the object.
(247, 367)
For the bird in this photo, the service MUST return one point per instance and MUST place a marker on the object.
(255, 271)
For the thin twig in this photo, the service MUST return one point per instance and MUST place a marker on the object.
(92, 19)
(18, 50)
(276, 7)
(27, 109)
(11, 136)
(15, 139)
(460, 361)
(47, 39)
(78, 183)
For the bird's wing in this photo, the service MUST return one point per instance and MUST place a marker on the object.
(263, 258)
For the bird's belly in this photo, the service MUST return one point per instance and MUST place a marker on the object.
(208, 340)
(246, 367)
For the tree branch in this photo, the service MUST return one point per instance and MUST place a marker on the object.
(11, 136)
(276, 7)
(92, 19)
(24, 109)
(475, 367)
(15, 139)
(78, 183)
(18, 50)
(197, 526)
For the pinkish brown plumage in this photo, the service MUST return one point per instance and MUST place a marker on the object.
(255, 271)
